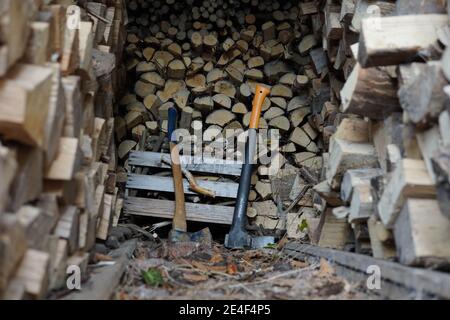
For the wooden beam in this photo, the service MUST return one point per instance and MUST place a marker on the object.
(195, 212)
(195, 164)
(165, 184)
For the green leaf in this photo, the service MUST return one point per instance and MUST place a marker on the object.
(303, 225)
(153, 277)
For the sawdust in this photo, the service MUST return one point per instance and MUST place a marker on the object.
(229, 275)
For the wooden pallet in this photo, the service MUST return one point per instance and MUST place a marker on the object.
(216, 214)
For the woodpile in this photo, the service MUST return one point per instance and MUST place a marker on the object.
(359, 94)
(59, 78)
(206, 59)
(385, 124)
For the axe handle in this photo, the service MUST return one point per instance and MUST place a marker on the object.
(240, 210)
(179, 218)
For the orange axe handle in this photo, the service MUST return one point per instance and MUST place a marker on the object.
(260, 95)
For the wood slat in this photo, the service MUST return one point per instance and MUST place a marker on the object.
(165, 184)
(196, 164)
(164, 209)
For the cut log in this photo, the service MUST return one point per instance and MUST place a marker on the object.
(13, 246)
(380, 103)
(28, 182)
(409, 180)
(422, 239)
(354, 178)
(24, 102)
(423, 97)
(125, 147)
(441, 166)
(14, 29)
(74, 115)
(347, 155)
(222, 101)
(33, 273)
(282, 123)
(176, 69)
(220, 117)
(362, 205)
(395, 40)
(8, 167)
(67, 161)
(67, 227)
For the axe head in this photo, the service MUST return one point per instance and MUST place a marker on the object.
(202, 237)
(240, 239)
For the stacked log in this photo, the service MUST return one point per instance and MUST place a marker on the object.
(386, 127)
(58, 79)
(206, 61)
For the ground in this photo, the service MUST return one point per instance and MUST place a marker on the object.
(218, 273)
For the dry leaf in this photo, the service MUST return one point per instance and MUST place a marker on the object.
(325, 268)
(232, 269)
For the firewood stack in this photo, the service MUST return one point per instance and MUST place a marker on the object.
(359, 94)
(385, 183)
(206, 59)
(58, 79)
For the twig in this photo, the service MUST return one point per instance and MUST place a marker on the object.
(282, 275)
(193, 185)
(166, 269)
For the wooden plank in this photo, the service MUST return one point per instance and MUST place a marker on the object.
(165, 184)
(195, 164)
(195, 212)
(431, 283)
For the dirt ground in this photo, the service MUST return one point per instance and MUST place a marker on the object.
(217, 273)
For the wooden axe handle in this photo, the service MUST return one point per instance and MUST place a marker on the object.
(179, 218)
